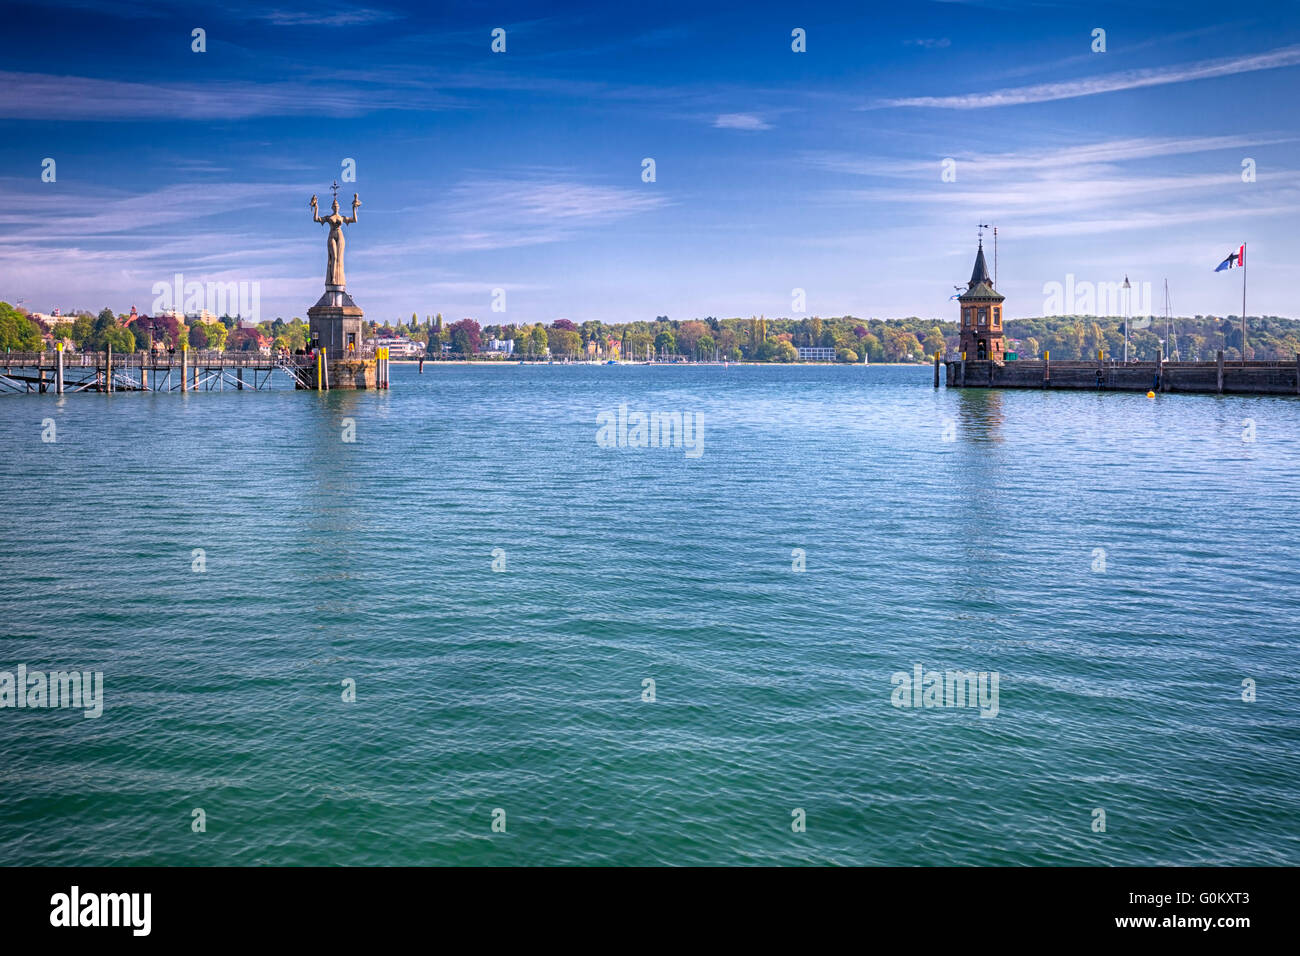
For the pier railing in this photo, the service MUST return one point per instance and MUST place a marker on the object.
(205, 357)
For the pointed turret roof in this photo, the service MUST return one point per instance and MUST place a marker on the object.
(980, 286)
(981, 271)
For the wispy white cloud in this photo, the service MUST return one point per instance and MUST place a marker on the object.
(1109, 83)
(315, 13)
(1057, 195)
(45, 97)
(323, 15)
(1046, 157)
(749, 121)
(929, 43)
(531, 208)
(1078, 190)
(57, 216)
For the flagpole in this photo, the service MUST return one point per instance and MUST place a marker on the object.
(1243, 302)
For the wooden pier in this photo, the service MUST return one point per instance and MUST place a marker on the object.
(187, 371)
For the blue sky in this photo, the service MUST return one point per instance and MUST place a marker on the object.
(775, 170)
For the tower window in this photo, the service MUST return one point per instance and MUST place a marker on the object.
(984, 316)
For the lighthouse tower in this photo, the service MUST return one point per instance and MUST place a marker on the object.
(981, 315)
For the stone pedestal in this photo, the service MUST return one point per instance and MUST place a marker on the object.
(335, 322)
(347, 374)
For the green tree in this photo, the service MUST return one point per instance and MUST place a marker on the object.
(689, 335)
(119, 339)
(217, 333)
(18, 333)
(83, 327)
(537, 341)
(934, 341)
(563, 341)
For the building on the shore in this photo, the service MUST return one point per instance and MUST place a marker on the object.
(53, 318)
(398, 347)
(981, 315)
(816, 354)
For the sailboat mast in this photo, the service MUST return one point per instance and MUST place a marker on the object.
(1167, 342)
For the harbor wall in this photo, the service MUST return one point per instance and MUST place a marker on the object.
(1217, 377)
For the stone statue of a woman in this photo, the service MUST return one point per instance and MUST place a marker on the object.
(334, 280)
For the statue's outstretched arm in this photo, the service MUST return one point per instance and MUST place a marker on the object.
(355, 203)
(315, 211)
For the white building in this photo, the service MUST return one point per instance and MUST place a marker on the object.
(398, 348)
(53, 318)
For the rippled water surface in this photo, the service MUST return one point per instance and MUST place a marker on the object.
(1120, 669)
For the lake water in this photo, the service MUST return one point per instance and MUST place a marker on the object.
(1120, 564)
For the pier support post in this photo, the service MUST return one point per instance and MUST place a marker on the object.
(239, 379)
(108, 368)
(325, 368)
(144, 375)
(185, 368)
(936, 369)
(58, 368)
(963, 370)
(1219, 362)
(1047, 369)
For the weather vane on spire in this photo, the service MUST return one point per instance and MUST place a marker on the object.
(983, 226)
